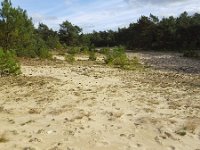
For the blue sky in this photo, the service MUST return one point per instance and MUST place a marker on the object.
(102, 14)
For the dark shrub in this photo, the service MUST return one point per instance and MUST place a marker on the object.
(8, 64)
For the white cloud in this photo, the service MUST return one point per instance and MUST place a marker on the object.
(103, 15)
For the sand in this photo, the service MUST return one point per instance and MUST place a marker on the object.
(58, 106)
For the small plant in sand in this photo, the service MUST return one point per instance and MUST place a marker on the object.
(8, 63)
(133, 64)
(118, 58)
(70, 58)
(73, 50)
(104, 51)
(92, 56)
(84, 50)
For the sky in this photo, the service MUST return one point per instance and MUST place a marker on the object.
(101, 15)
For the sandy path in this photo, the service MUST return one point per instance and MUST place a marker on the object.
(95, 107)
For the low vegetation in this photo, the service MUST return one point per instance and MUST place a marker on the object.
(8, 63)
(92, 56)
(69, 58)
(118, 58)
(191, 54)
(21, 36)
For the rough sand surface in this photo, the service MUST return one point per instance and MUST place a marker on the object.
(169, 61)
(56, 106)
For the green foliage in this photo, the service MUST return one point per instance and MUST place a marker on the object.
(104, 51)
(133, 64)
(70, 58)
(69, 33)
(37, 48)
(26, 53)
(150, 33)
(116, 56)
(40, 48)
(44, 53)
(92, 56)
(92, 47)
(84, 50)
(8, 64)
(73, 50)
(191, 54)
(16, 27)
(49, 36)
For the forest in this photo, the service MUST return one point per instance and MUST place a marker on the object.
(17, 32)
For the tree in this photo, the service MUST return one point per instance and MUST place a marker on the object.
(69, 33)
(50, 37)
(16, 27)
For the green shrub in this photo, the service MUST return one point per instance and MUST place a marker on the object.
(191, 54)
(133, 64)
(116, 56)
(44, 53)
(38, 48)
(69, 58)
(8, 64)
(73, 50)
(92, 56)
(26, 53)
(104, 51)
(92, 47)
(84, 50)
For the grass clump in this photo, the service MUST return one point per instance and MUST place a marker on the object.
(70, 58)
(92, 56)
(73, 50)
(8, 63)
(104, 51)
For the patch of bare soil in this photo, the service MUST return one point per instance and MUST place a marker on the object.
(54, 106)
(169, 61)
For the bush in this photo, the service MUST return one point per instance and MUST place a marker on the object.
(8, 64)
(91, 47)
(69, 58)
(44, 53)
(133, 64)
(191, 54)
(26, 53)
(104, 51)
(116, 56)
(38, 48)
(73, 50)
(84, 50)
(92, 56)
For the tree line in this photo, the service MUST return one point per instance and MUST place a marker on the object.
(17, 33)
(151, 33)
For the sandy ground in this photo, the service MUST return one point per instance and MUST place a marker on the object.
(57, 106)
